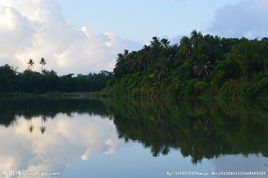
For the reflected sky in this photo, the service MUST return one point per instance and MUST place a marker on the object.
(66, 139)
(82, 145)
(135, 161)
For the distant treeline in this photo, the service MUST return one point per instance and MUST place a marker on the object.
(198, 65)
(48, 81)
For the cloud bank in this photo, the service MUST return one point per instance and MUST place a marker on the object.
(37, 28)
(246, 18)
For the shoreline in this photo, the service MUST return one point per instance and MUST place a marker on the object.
(57, 95)
(102, 95)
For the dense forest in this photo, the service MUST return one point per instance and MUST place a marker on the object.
(200, 65)
(30, 81)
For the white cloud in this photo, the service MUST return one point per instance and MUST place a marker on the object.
(37, 28)
(66, 139)
(246, 18)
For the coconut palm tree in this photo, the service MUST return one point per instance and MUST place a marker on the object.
(195, 37)
(43, 128)
(165, 43)
(202, 67)
(43, 63)
(185, 47)
(30, 64)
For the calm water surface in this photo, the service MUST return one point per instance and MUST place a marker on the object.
(130, 139)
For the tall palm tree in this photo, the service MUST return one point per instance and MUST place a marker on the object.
(155, 43)
(43, 63)
(30, 64)
(185, 47)
(195, 37)
(202, 67)
(126, 52)
(165, 43)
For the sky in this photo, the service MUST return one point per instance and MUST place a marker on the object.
(84, 36)
(140, 20)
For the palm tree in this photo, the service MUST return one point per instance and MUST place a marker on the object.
(165, 43)
(126, 52)
(43, 63)
(195, 37)
(30, 64)
(155, 43)
(122, 66)
(185, 47)
(202, 67)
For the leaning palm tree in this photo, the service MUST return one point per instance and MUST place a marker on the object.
(43, 63)
(30, 64)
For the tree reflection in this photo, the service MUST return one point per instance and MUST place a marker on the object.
(31, 128)
(200, 130)
(43, 128)
(38, 107)
(30, 124)
(197, 129)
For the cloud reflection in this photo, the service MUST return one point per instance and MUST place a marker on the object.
(65, 139)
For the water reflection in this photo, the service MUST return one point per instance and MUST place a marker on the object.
(39, 134)
(199, 130)
(65, 140)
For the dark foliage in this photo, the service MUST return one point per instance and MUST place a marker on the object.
(199, 65)
(199, 130)
(48, 81)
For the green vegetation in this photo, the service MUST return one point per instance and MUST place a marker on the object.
(195, 128)
(31, 81)
(201, 65)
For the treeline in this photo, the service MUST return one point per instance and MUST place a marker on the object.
(30, 81)
(199, 65)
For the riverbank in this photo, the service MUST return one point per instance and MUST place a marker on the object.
(63, 95)
(107, 94)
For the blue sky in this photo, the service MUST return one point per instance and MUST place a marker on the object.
(142, 19)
